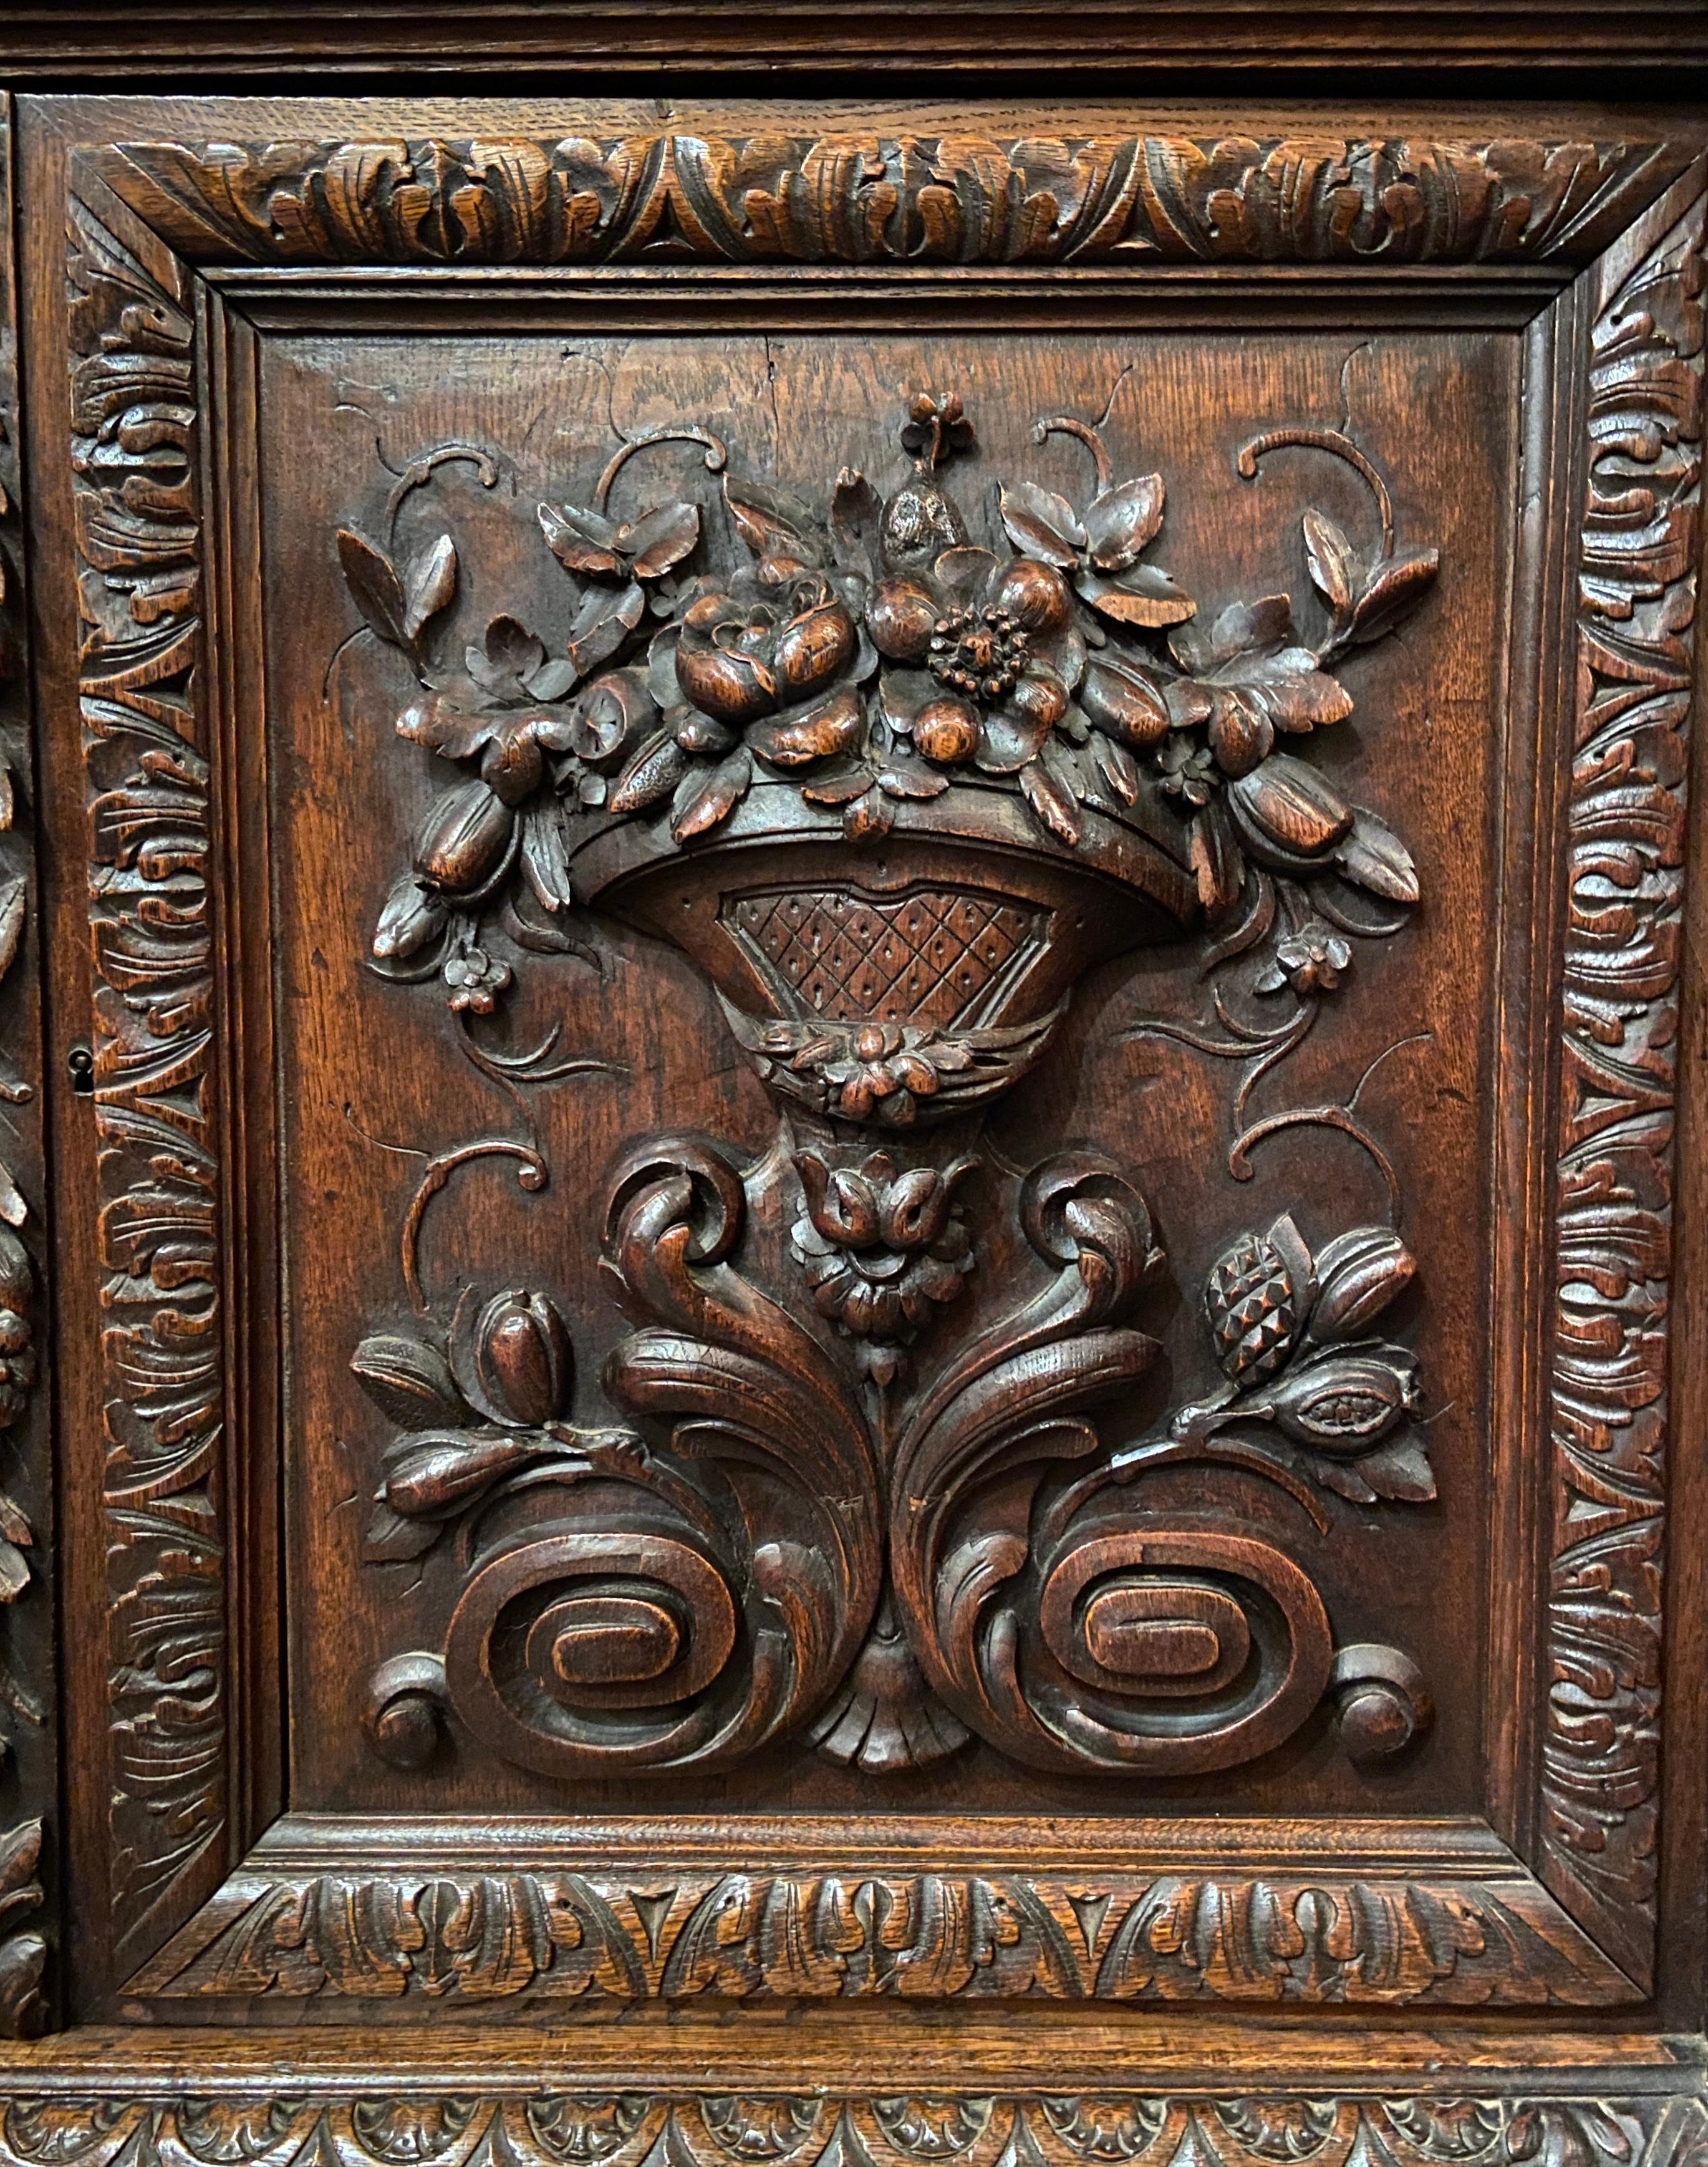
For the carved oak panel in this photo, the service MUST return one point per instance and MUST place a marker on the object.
(881, 968)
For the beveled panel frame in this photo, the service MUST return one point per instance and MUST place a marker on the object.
(183, 254)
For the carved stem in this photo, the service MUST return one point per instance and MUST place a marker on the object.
(1065, 425)
(670, 432)
(420, 471)
(532, 1176)
(1324, 440)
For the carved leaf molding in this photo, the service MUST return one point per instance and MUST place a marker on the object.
(390, 2126)
(1636, 615)
(1256, 1939)
(866, 198)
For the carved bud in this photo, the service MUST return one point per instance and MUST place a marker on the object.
(1360, 1274)
(1035, 594)
(902, 617)
(1346, 1402)
(412, 916)
(611, 717)
(512, 765)
(522, 1351)
(1124, 701)
(465, 834)
(814, 648)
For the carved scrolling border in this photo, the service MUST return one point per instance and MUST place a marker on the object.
(547, 2127)
(134, 460)
(140, 211)
(1613, 1201)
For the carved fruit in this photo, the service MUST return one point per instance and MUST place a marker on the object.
(945, 730)
(901, 618)
(1256, 1298)
(1344, 1403)
(465, 834)
(832, 727)
(522, 1356)
(1360, 1273)
(918, 522)
(514, 766)
(1035, 594)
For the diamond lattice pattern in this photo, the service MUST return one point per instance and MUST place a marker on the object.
(921, 959)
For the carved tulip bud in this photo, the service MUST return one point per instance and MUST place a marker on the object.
(464, 835)
(523, 1354)
(412, 916)
(902, 617)
(1035, 594)
(1360, 1273)
(915, 1209)
(841, 1204)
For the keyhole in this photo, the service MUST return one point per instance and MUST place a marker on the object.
(80, 1064)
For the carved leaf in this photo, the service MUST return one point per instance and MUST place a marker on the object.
(661, 539)
(581, 541)
(374, 583)
(1052, 801)
(1396, 586)
(1332, 560)
(602, 624)
(13, 895)
(703, 804)
(1042, 524)
(433, 581)
(1374, 857)
(857, 512)
(1121, 520)
(777, 526)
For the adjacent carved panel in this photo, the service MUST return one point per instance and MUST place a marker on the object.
(865, 197)
(1619, 1051)
(383, 2128)
(134, 457)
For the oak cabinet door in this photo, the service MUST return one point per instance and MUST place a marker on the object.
(863, 964)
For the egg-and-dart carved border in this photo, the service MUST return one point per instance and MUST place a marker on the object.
(136, 213)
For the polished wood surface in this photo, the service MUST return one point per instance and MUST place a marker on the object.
(867, 1021)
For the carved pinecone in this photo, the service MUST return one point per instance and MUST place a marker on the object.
(1255, 1308)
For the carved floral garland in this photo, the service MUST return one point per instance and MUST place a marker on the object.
(875, 657)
